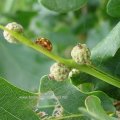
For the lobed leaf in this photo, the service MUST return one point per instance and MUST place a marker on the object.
(108, 47)
(16, 104)
(63, 6)
(95, 109)
(113, 8)
(70, 97)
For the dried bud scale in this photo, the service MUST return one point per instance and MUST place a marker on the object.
(14, 27)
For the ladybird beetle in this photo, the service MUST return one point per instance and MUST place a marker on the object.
(44, 43)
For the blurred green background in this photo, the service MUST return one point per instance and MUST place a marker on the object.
(23, 66)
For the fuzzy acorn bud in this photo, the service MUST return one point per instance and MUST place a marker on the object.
(59, 72)
(14, 27)
(81, 54)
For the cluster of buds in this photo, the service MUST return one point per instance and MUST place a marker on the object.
(80, 54)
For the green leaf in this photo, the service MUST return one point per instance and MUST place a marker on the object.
(113, 8)
(27, 15)
(95, 35)
(86, 87)
(106, 56)
(108, 47)
(81, 79)
(67, 94)
(95, 109)
(70, 97)
(16, 104)
(63, 5)
(46, 103)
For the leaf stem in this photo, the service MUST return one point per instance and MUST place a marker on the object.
(31, 44)
(92, 70)
(103, 76)
(89, 69)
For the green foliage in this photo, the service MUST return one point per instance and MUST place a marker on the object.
(86, 87)
(94, 109)
(113, 8)
(16, 65)
(70, 97)
(108, 47)
(84, 96)
(63, 6)
(15, 103)
(106, 56)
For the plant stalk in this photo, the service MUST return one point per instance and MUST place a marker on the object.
(89, 69)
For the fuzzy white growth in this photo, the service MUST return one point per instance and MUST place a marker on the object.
(14, 27)
(73, 72)
(59, 72)
(81, 54)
